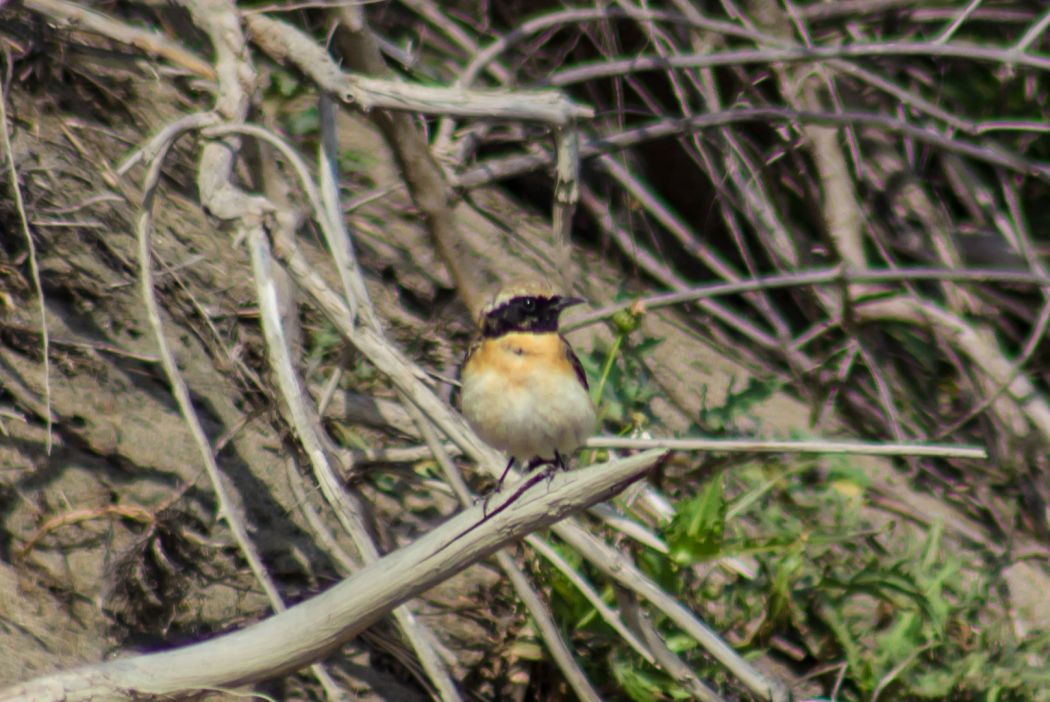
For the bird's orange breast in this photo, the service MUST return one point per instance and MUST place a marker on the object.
(518, 357)
(522, 395)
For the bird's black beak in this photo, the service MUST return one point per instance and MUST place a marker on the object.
(565, 302)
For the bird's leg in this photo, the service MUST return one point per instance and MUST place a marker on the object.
(559, 461)
(531, 466)
(523, 487)
(499, 486)
(535, 463)
(510, 464)
(548, 472)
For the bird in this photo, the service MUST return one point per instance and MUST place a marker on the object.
(523, 389)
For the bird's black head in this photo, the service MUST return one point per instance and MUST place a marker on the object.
(526, 313)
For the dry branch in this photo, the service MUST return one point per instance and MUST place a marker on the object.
(310, 630)
(76, 15)
(285, 43)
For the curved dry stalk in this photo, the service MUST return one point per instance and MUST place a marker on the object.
(227, 201)
(312, 629)
(34, 268)
(228, 510)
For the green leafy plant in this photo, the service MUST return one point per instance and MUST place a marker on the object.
(623, 388)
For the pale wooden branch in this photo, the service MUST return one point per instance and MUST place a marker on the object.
(309, 631)
(425, 178)
(566, 195)
(236, 78)
(285, 43)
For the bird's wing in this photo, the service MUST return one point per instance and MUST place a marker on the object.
(575, 361)
(475, 344)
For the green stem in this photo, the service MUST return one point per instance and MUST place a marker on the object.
(606, 370)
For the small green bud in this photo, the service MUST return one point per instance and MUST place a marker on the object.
(626, 321)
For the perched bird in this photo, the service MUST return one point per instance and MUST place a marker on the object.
(523, 388)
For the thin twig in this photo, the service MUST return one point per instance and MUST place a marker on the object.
(741, 57)
(591, 595)
(228, 510)
(574, 674)
(957, 22)
(1033, 33)
(668, 659)
(855, 448)
(1035, 337)
(533, 26)
(817, 277)
(498, 169)
(617, 567)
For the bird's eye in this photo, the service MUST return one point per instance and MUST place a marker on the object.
(528, 304)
